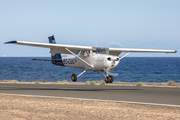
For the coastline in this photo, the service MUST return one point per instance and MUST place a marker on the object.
(145, 84)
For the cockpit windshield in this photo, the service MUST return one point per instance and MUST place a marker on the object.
(99, 50)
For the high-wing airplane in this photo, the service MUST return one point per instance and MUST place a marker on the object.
(95, 59)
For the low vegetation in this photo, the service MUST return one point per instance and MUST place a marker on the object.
(96, 82)
(103, 83)
(15, 81)
(7, 80)
(88, 83)
(37, 82)
(93, 82)
(172, 83)
(139, 84)
(64, 81)
(160, 84)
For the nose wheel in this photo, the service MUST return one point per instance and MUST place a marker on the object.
(109, 79)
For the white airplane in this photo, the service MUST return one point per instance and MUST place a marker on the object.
(95, 59)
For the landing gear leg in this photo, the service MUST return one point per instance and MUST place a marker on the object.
(108, 78)
(74, 76)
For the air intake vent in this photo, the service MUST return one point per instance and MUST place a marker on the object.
(109, 59)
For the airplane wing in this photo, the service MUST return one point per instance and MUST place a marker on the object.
(61, 48)
(55, 48)
(117, 51)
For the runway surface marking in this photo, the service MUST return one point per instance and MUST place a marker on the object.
(143, 103)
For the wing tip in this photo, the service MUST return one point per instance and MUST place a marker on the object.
(173, 51)
(10, 42)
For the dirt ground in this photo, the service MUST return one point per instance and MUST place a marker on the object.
(37, 108)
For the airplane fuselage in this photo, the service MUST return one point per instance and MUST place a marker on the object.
(100, 62)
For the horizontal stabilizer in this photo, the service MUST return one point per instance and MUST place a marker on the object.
(47, 60)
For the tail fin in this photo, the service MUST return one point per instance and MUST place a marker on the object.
(52, 39)
(54, 56)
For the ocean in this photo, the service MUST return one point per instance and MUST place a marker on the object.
(130, 69)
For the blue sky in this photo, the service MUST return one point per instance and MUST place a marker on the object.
(151, 24)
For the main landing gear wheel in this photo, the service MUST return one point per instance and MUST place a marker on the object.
(74, 77)
(111, 78)
(107, 80)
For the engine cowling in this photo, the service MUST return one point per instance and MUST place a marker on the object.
(105, 62)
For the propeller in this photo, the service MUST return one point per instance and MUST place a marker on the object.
(115, 45)
(114, 74)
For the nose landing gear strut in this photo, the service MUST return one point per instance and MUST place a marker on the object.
(108, 78)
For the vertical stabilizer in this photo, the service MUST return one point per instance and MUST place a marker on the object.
(52, 39)
(54, 56)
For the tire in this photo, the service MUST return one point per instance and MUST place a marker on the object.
(74, 77)
(111, 79)
(107, 80)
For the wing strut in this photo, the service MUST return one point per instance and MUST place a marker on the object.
(79, 58)
(125, 55)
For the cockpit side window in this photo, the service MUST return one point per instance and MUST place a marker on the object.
(99, 50)
(86, 53)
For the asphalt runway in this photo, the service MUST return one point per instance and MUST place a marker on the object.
(157, 95)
